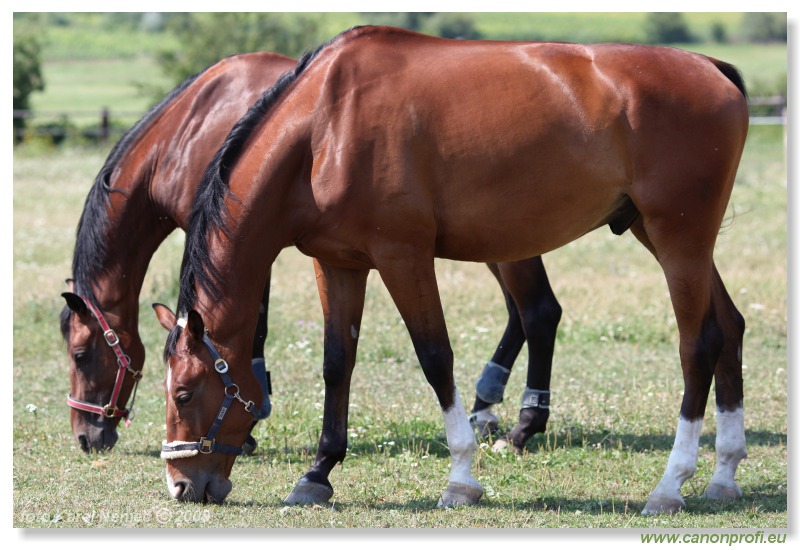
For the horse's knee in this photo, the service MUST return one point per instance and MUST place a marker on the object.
(335, 362)
(436, 362)
(708, 345)
(333, 374)
(544, 316)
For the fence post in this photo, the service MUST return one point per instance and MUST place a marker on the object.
(104, 125)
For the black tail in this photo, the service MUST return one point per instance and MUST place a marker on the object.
(732, 74)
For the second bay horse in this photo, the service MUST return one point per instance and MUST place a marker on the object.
(143, 192)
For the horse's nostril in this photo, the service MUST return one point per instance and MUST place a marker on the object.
(109, 438)
(210, 498)
(180, 492)
(84, 443)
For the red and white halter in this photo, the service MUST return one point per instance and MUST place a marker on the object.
(110, 410)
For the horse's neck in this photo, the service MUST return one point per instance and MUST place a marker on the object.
(134, 230)
(262, 220)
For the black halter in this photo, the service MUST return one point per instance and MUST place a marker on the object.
(207, 444)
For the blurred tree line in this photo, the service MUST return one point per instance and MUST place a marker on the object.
(205, 38)
(27, 73)
(672, 28)
(186, 43)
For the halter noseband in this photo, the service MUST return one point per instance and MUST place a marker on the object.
(207, 444)
(110, 410)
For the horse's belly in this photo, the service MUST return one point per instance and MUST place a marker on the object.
(502, 238)
(524, 219)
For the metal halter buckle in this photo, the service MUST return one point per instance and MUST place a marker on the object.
(221, 366)
(111, 337)
(206, 445)
(109, 411)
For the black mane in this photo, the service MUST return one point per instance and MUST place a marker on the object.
(90, 252)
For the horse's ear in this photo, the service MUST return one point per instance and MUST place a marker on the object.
(75, 302)
(165, 316)
(195, 324)
(70, 284)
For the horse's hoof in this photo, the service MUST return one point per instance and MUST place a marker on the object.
(503, 445)
(716, 491)
(249, 446)
(460, 494)
(484, 424)
(662, 504)
(309, 492)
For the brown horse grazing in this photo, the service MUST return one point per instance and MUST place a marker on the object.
(385, 149)
(144, 192)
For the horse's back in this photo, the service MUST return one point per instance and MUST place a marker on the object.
(536, 143)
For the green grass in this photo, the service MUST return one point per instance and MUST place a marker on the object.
(82, 88)
(616, 385)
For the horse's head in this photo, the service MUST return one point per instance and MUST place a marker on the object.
(104, 365)
(208, 419)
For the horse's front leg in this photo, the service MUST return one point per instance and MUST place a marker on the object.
(491, 384)
(341, 292)
(409, 275)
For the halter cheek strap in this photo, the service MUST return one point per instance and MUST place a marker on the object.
(208, 444)
(110, 410)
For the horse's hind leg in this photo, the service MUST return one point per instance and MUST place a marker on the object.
(539, 311)
(708, 328)
(342, 295)
(491, 384)
(730, 444)
(410, 277)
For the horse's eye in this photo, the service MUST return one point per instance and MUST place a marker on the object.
(81, 358)
(183, 398)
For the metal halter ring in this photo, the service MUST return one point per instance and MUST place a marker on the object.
(221, 366)
(248, 405)
(137, 374)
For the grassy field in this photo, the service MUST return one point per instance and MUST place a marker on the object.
(616, 385)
